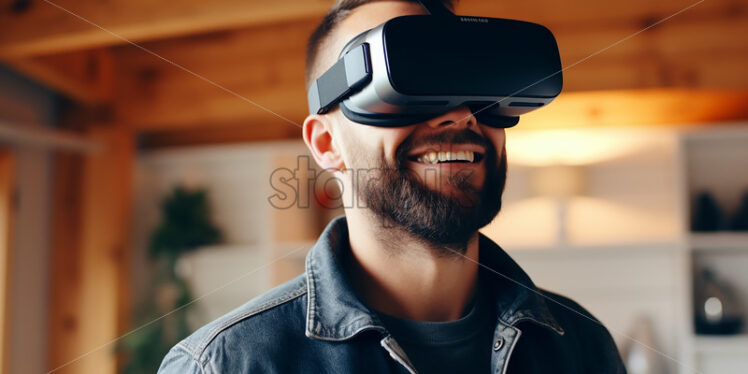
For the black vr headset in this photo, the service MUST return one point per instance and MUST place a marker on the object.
(414, 68)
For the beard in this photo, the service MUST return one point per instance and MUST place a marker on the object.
(447, 222)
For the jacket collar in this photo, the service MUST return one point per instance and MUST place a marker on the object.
(334, 311)
(516, 296)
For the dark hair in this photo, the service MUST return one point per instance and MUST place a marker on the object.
(339, 11)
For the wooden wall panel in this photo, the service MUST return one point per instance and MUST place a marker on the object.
(220, 78)
(206, 135)
(89, 286)
(600, 14)
(64, 266)
(668, 107)
(265, 65)
(224, 75)
(7, 208)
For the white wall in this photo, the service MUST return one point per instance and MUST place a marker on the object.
(237, 180)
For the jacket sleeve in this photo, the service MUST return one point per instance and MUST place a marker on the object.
(179, 361)
(611, 360)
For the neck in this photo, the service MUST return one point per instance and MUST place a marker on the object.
(407, 277)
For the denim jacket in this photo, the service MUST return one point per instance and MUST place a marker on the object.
(316, 323)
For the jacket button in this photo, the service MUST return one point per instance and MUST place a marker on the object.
(498, 344)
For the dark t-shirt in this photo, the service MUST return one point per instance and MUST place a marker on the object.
(461, 346)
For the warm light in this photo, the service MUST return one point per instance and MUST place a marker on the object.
(669, 107)
(574, 147)
(557, 181)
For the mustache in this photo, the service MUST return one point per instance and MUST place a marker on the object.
(444, 137)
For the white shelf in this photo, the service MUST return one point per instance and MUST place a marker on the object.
(722, 344)
(737, 241)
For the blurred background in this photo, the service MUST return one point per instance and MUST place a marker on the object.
(144, 191)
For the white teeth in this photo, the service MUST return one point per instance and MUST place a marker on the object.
(436, 157)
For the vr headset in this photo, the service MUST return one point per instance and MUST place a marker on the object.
(414, 68)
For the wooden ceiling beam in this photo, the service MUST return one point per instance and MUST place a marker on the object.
(246, 75)
(84, 76)
(601, 14)
(217, 78)
(675, 38)
(154, 95)
(52, 26)
(170, 104)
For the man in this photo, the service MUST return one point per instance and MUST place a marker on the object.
(404, 282)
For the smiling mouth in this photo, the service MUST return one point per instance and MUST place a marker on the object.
(434, 157)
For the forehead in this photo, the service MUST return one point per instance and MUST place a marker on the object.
(365, 17)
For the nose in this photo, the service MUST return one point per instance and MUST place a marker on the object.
(458, 118)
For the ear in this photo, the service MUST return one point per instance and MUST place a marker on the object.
(318, 136)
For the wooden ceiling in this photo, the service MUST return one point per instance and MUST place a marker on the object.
(210, 71)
